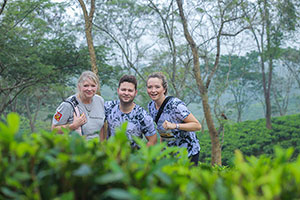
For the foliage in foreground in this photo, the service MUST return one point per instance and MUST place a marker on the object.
(49, 166)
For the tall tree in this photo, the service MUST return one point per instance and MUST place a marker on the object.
(290, 59)
(243, 77)
(88, 19)
(49, 52)
(23, 27)
(281, 92)
(123, 24)
(167, 21)
(224, 16)
(173, 56)
(271, 22)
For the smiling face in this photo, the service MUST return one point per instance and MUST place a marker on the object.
(87, 89)
(127, 92)
(155, 89)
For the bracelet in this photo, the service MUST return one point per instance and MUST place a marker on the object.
(177, 126)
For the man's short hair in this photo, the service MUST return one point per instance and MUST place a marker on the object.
(129, 79)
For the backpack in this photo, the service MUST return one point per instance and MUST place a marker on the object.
(74, 103)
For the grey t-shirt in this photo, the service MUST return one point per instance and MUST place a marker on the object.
(94, 113)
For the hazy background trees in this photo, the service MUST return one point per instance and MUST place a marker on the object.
(40, 53)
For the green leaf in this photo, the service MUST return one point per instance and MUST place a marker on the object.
(221, 190)
(117, 193)
(13, 122)
(65, 196)
(109, 178)
(83, 170)
(22, 148)
(7, 131)
(8, 192)
(22, 176)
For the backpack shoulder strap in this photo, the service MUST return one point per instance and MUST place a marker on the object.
(73, 101)
(161, 109)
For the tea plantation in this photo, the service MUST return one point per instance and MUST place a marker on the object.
(45, 165)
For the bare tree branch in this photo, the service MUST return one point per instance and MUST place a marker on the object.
(169, 35)
(26, 14)
(2, 7)
(236, 33)
(123, 51)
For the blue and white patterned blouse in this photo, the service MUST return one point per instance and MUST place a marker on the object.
(175, 111)
(139, 121)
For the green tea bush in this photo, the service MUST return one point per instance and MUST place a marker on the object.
(46, 165)
(252, 138)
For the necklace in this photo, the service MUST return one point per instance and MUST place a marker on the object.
(88, 107)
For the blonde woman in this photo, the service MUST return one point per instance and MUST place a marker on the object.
(84, 111)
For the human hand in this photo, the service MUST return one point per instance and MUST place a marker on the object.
(168, 125)
(79, 120)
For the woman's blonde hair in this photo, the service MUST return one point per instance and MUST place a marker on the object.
(88, 75)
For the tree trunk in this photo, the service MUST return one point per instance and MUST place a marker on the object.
(268, 99)
(216, 158)
(270, 59)
(265, 55)
(239, 117)
(88, 19)
(216, 148)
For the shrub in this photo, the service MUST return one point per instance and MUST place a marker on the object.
(49, 166)
(253, 138)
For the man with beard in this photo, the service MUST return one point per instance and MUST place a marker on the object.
(118, 111)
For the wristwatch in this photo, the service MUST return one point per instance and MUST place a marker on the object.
(177, 126)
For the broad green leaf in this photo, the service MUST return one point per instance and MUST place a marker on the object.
(13, 122)
(118, 193)
(109, 178)
(8, 192)
(65, 196)
(83, 170)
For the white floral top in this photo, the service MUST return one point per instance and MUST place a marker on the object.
(139, 121)
(175, 111)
